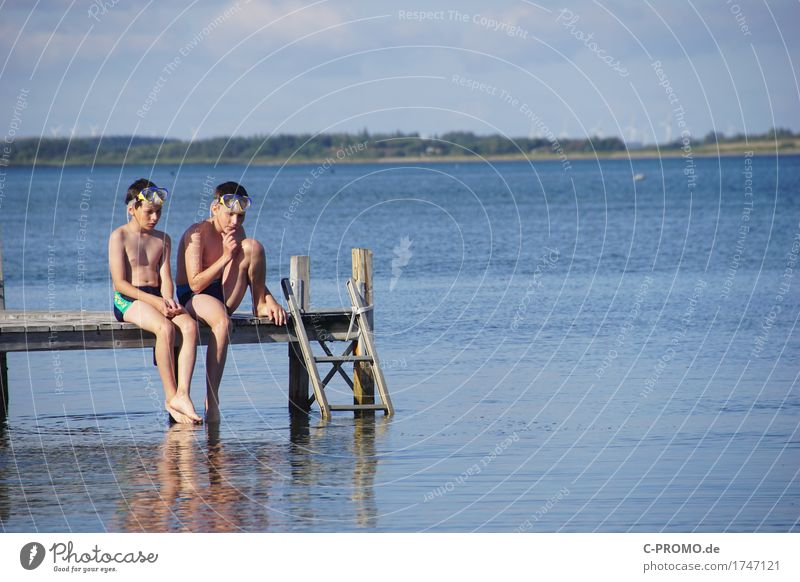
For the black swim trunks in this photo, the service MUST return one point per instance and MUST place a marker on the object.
(214, 289)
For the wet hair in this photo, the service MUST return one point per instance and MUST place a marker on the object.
(135, 188)
(229, 188)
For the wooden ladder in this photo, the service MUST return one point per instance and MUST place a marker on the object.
(363, 336)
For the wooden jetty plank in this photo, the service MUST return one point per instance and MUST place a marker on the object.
(17, 335)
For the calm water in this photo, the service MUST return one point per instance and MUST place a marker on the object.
(567, 351)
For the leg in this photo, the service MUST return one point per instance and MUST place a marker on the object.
(235, 278)
(213, 312)
(257, 276)
(186, 359)
(150, 319)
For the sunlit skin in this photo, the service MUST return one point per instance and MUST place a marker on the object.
(138, 255)
(218, 248)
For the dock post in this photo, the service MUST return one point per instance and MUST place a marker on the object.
(363, 380)
(3, 360)
(300, 279)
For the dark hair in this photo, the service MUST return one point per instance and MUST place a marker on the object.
(135, 188)
(229, 188)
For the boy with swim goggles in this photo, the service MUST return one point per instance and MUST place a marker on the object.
(153, 194)
(236, 203)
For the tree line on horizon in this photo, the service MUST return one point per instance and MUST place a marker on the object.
(309, 147)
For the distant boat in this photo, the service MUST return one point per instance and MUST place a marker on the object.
(638, 177)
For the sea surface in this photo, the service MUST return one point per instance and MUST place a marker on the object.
(568, 349)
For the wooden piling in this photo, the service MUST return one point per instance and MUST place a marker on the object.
(3, 357)
(300, 279)
(363, 380)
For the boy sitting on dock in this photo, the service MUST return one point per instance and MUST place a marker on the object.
(216, 265)
(138, 257)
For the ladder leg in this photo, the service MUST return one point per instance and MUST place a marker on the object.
(305, 349)
(365, 333)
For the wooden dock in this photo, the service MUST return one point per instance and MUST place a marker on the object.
(28, 331)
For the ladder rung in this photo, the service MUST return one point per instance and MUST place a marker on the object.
(331, 359)
(357, 407)
(329, 310)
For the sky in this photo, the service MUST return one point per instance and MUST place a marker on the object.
(647, 71)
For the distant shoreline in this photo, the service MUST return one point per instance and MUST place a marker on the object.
(644, 154)
(330, 149)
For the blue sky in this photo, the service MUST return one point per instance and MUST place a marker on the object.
(199, 68)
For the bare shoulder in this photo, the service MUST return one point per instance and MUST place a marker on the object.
(193, 232)
(160, 234)
(117, 235)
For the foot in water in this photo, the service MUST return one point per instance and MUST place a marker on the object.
(183, 404)
(212, 412)
(177, 417)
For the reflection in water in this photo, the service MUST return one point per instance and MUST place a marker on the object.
(364, 470)
(320, 461)
(200, 480)
(196, 490)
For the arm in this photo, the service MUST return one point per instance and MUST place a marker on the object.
(196, 276)
(116, 264)
(165, 271)
(167, 284)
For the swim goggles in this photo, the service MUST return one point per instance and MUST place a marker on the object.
(236, 202)
(153, 195)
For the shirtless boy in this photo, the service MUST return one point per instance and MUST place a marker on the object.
(216, 265)
(138, 257)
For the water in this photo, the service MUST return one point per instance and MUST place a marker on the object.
(566, 350)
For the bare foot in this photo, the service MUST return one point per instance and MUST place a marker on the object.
(175, 416)
(271, 309)
(261, 310)
(183, 404)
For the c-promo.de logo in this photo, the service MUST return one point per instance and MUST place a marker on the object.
(31, 555)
